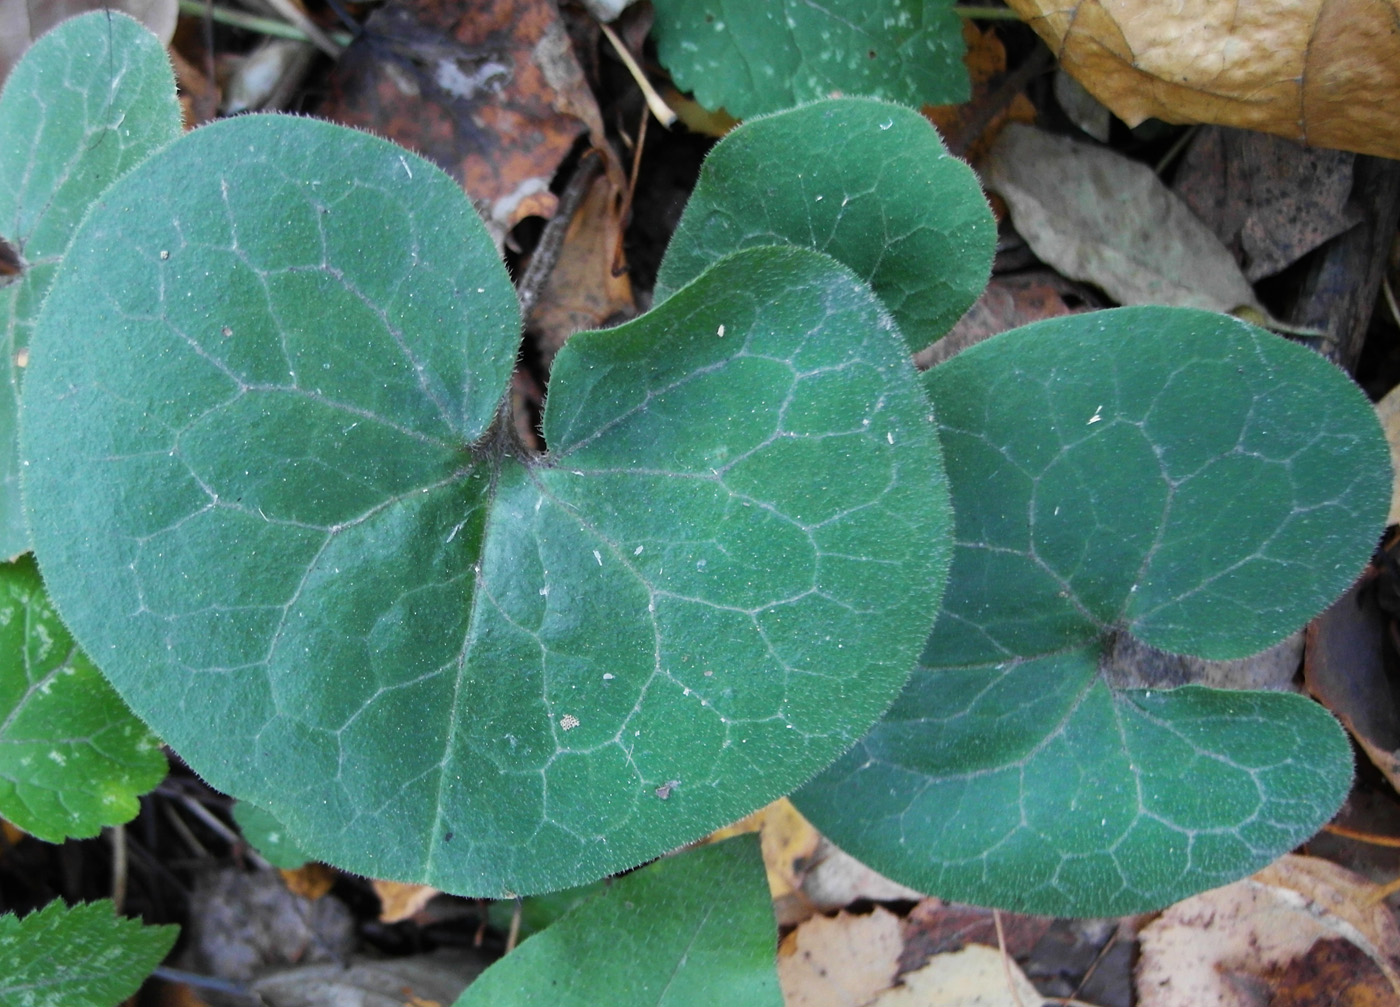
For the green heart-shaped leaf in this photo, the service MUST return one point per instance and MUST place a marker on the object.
(341, 593)
(80, 957)
(696, 928)
(753, 58)
(88, 100)
(884, 197)
(72, 757)
(1180, 477)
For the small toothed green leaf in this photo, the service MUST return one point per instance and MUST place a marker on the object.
(85, 956)
(753, 58)
(884, 197)
(90, 99)
(689, 931)
(72, 757)
(1184, 478)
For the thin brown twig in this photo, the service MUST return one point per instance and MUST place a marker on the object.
(1089, 972)
(983, 114)
(625, 211)
(1006, 959)
(546, 253)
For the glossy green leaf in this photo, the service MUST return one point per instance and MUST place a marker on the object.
(693, 929)
(85, 956)
(1184, 478)
(88, 100)
(264, 430)
(72, 756)
(883, 196)
(754, 58)
(268, 836)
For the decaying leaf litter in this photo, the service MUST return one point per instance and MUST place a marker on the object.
(528, 105)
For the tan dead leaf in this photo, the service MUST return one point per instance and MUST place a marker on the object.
(843, 961)
(1100, 217)
(976, 976)
(491, 91)
(1239, 945)
(836, 879)
(398, 900)
(1326, 72)
(1388, 409)
(586, 288)
(310, 880)
(22, 21)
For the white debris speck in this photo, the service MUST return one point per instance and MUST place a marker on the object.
(1096, 417)
(887, 124)
(164, 254)
(720, 332)
(568, 722)
(407, 170)
(544, 591)
(608, 676)
(598, 556)
(638, 551)
(889, 436)
(58, 756)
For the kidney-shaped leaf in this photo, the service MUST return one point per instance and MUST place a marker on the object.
(883, 196)
(1181, 477)
(751, 59)
(72, 757)
(258, 416)
(693, 929)
(87, 101)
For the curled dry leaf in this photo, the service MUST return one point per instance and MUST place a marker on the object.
(1298, 924)
(1100, 217)
(1326, 72)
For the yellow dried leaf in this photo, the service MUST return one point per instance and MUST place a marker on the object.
(840, 962)
(976, 976)
(1326, 72)
(310, 881)
(398, 900)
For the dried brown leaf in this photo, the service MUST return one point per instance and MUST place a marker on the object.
(1326, 72)
(1244, 944)
(490, 91)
